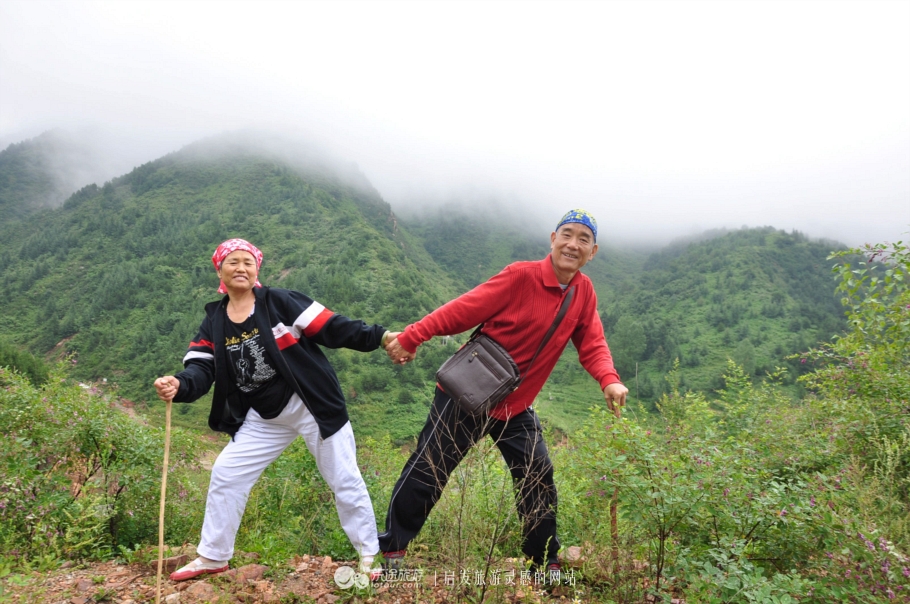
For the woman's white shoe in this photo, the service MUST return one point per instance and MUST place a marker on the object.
(366, 567)
(197, 567)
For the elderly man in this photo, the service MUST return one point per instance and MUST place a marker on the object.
(516, 307)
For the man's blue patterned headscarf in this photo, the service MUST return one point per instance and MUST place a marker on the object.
(581, 217)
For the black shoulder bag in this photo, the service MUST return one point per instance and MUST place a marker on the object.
(481, 374)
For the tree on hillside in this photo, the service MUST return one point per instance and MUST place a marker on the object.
(744, 355)
(31, 366)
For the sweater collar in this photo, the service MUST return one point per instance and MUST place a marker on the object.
(549, 273)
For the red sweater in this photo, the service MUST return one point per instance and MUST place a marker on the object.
(517, 307)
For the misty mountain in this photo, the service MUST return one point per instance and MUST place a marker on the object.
(43, 171)
(118, 276)
(472, 245)
(755, 296)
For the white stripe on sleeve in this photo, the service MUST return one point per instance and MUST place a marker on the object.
(197, 355)
(305, 318)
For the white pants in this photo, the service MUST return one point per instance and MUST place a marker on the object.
(257, 444)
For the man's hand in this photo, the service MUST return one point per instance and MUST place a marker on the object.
(615, 395)
(167, 387)
(397, 353)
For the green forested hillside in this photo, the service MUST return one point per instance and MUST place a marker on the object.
(740, 496)
(118, 276)
(29, 365)
(25, 180)
(471, 247)
(724, 486)
(754, 295)
(41, 172)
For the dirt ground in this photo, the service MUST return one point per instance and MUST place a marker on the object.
(305, 580)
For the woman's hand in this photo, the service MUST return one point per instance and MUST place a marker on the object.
(397, 353)
(167, 388)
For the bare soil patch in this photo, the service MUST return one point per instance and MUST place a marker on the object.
(305, 580)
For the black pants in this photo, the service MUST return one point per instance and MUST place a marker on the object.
(444, 441)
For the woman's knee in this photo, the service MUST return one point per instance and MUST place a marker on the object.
(220, 478)
(224, 475)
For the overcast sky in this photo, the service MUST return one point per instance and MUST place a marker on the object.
(661, 118)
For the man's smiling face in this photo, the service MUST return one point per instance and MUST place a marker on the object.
(571, 246)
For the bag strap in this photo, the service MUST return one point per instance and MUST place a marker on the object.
(562, 313)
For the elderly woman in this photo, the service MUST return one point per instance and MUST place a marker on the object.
(260, 347)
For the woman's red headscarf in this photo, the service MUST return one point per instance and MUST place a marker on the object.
(232, 245)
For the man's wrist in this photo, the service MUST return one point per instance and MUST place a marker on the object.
(385, 338)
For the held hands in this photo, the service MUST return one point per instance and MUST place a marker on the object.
(615, 395)
(396, 351)
(167, 387)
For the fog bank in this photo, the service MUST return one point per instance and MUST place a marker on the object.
(661, 118)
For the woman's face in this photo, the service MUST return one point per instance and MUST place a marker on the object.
(239, 271)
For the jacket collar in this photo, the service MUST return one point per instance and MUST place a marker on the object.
(259, 292)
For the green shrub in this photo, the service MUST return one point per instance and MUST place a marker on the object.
(81, 478)
(749, 497)
(31, 366)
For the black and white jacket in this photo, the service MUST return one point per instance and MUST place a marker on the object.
(297, 325)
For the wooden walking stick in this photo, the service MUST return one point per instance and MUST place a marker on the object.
(167, 450)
